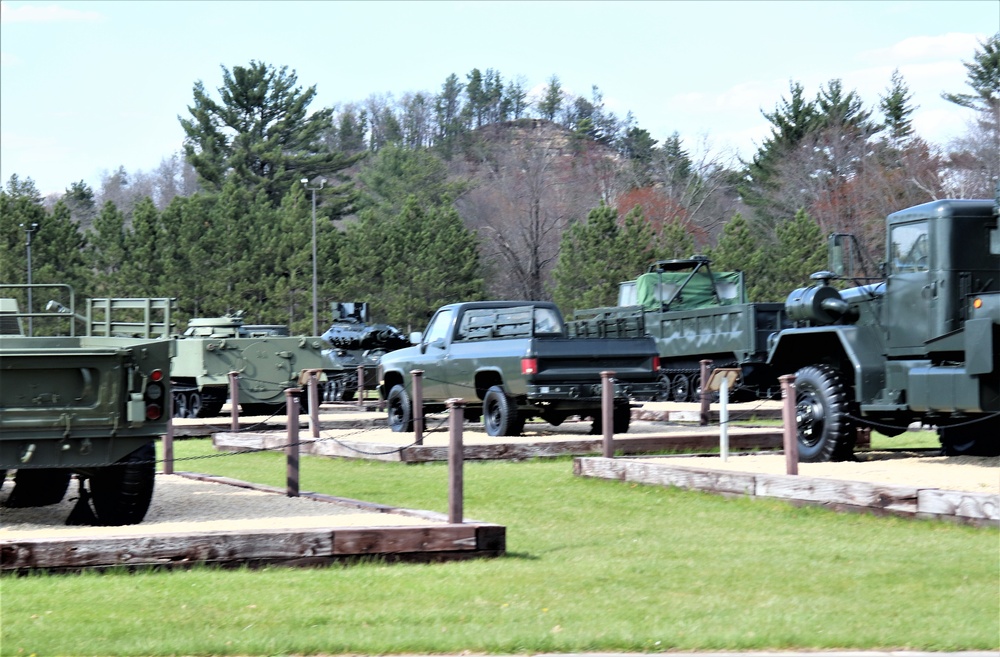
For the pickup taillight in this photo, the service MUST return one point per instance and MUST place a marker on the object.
(656, 363)
(529, 366)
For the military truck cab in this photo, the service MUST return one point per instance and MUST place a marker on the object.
(923, 345)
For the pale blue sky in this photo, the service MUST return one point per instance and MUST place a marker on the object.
(88, 86)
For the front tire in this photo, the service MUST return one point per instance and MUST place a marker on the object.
(121, 493)
(400, 410)
(825, 432)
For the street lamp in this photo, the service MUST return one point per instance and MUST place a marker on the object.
(29, 230)
(322, 181)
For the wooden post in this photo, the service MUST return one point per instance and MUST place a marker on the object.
(791, 429)
(455, 460)
(418, 406)
(706, 371)
(361, 387)
(608, 413)
(234, 401)
(292, 448)
(313, 392)
(168, 439)
(724, 418)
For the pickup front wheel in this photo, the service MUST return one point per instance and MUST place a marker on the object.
(500, 416)
(400, 410)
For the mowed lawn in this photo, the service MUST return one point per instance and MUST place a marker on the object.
(592, 565)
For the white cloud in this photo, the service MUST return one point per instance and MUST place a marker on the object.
(953, 45)
(43, 14)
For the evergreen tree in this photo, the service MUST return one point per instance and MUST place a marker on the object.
(896, 108)
(552, 100)
(984, 80)
(597, 254)
(261, 133)
(155, 254)
(79, 198)
(107, 251)
(396, 174)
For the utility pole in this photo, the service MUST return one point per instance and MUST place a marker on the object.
(29, 230)
(322, 181)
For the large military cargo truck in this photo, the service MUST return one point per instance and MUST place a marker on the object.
(920, 345)
(693, 314)
(90, 405)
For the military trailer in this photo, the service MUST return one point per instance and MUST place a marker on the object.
(90, 405)
(920, 345)
(355, 342)
(267, 359)
(694, 314)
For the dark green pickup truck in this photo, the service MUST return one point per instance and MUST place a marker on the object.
(510, 361)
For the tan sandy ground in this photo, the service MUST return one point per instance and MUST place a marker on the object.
(974, 474)
(184, 505)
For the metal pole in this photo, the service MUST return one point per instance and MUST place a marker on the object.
(234, 402)
(608, 414)
(292, 448)
(706, 371)
(361, 387)
(315, 307)
(724, 418)
(788, 419)
(418, 406)
(455, 460)
(168, 440)
(314, 403)
(29, 230)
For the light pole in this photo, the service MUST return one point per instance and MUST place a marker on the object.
(29, 230)
(322, 181)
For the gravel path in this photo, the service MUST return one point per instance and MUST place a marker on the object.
(185, 505)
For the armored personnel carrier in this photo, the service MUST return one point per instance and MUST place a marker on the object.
(267, 359)
(355, 341)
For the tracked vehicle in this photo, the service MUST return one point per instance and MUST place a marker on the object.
(355, 342)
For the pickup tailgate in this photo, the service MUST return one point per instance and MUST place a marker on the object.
(583, 359)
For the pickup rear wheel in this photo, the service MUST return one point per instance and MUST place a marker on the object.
(122, 492)
(500, 417)
(977, 438)
(400, 410)
(621, 419)
(825, 432)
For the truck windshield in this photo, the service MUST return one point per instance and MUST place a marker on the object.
(438, 329)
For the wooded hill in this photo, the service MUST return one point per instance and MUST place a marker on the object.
(478, 191)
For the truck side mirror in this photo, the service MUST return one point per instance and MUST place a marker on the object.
(836, 253)
(416, 337)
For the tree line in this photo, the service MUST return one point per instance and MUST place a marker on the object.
(480, 191)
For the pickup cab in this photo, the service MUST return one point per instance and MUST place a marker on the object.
(510, 361)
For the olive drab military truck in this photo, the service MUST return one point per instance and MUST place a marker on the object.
(90, 404)
(693, 313)
(922, 344)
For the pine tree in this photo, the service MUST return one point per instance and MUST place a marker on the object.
(107, 251)
(896, 108)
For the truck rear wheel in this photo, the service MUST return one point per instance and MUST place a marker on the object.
(38, 487)
(500, 416)
(400, 410)
(121, 492)
(972, 439)
(825, 433)
(621, 419)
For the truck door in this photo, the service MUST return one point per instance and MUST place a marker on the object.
(434, 348)
(911, 291)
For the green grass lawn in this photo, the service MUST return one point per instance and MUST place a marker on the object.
(592, 565)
